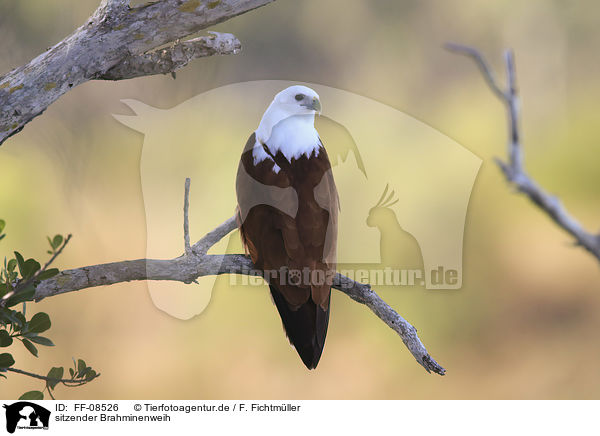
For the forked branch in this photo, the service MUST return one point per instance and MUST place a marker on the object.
(514, 170)
(195, 262)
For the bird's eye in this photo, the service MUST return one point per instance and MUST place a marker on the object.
(299, 97)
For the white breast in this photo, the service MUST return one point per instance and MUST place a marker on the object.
(293, 135)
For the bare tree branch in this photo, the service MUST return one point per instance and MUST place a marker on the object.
(197, 263)
(362, 293)
(186, 218)
(487, 72)
(117, 42)
(514, 169)
(170, 59)
(211, 238)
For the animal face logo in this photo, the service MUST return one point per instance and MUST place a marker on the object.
(382, 210)
(26, 415)
(398, 248)
(414, 228)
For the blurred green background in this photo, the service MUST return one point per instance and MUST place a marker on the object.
(525, 323)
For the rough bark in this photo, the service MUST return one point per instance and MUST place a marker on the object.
(117, 42)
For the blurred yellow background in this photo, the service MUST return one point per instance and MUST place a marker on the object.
(524, 323)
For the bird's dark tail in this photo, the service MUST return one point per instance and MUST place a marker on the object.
(306, 327)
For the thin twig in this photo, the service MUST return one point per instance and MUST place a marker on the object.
(49, 392)
(186, 220)
(514, 144)
(65, 381)
(56, 254)
(214, 236)
(487, 72)
(364, 294)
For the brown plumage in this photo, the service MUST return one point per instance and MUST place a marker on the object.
(287, 214)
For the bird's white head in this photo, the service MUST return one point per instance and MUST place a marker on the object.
(298, 102)
(288, 125)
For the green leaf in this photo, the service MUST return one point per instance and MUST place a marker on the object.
(30, 267)
(71, 372)
(81, 367)
(57, 241)
(2, 225)
(6, 360)
(41, 340)
(47, 274)
(12, 264)
(20, 317)
(20, 261)
(55, 373)
(40, 322)
(12, 317)
(32, 395)
(21, 296)
(91, 374)
(30, 347)
(5, 339)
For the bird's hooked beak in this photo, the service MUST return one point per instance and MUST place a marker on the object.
(314, 105)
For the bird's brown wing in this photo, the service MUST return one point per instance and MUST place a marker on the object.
(288, 219)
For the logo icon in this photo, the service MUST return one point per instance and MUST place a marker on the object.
(411, 237)
(26, 415)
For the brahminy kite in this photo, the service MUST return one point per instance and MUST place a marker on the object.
(287, 215)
